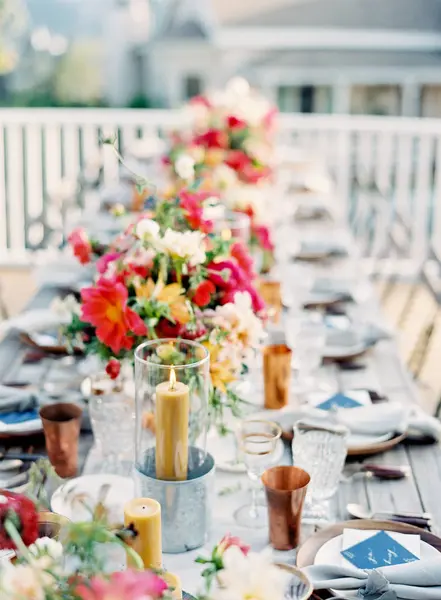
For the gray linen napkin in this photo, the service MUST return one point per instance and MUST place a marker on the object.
(12, 399)
(419, 580)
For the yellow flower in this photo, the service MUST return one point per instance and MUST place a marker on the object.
(222, 371)
(173, 295)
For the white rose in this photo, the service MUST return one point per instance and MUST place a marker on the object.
(147, 228)
(224, 177)
(48, 547)
(188, 246)
(184, 167)
(20, 582)
(65, 309)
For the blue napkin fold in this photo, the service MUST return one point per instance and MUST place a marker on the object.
(15, 417)
(379, 550)
(338, 401)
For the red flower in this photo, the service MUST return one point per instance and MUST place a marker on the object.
(103, 262)
(113, 368)
(21, 512)
(239, 251)
(231, 540)
(235, 123)
(263, 235)
(167, 329)
(213, 138)
(125, 585)
(195, 333)
(191, 203)
(105, 307)
(238, 160)
(225, 275)
(81, 246)
(203, 293)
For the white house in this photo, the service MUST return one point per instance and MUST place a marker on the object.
(357, 56)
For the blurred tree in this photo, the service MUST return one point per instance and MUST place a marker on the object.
(13, 23)
(78, 75)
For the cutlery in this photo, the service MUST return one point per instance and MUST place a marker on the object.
(379, 471)
(419, 520)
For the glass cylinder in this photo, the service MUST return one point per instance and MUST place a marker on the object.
(233, 225)
(172, 380)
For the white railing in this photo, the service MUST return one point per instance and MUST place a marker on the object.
(387, 169)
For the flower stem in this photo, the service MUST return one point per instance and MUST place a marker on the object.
(137, 560)
(14, 535)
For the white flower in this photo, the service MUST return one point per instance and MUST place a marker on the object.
(253, 576)
(48, 547)
(65, 309)
(184, 167)
(188, 245)
(20, 582)
(259, 150)
(242, 197)
(238, 86)
(147, 228)
(224, 177)
(239, 318)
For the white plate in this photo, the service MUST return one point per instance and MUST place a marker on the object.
(18, 428)
(223, 450)
(122, 489)
(344, 351)
(329, 554)
(287, 418)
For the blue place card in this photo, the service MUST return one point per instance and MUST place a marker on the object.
(379, 550)
(339, 401)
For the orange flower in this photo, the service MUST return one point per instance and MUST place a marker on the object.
(172, 294)
(105, 307)
(222, 372)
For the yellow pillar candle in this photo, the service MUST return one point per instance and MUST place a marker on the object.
(144, 514)
(174, 582)
(171, 423)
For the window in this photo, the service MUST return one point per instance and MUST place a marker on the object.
(192, 86)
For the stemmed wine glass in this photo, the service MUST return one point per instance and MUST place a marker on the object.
(257, 441)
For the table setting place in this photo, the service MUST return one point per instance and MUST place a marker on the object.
(207, 403)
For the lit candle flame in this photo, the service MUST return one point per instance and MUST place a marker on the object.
(172, 379)
(226, 235)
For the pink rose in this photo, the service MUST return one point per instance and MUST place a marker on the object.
(229, 541)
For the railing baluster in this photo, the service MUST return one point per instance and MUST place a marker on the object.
(3, 221)
(34, 183)
(71, 146)
(405, 144)
(421, 198)
(436, 229)
(14, 193)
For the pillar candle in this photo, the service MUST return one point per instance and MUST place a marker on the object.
(174, 582)
(172, 413)
(145, 516)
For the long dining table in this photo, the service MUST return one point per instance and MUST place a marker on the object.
(382, 371)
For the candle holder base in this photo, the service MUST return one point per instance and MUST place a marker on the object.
(185, 505)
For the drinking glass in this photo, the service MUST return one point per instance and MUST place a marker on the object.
(112, 416)
(321, 452)
(308, 347)
(257, 441)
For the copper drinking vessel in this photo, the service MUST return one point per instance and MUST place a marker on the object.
(276, 375)
(61, 424)
(271, 292)
(285, 489)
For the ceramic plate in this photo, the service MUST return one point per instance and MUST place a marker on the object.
(344, 352)
(329, 554)
(21, 429)
(223, 450)
(77, 498)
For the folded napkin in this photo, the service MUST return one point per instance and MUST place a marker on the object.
(378, 419)
(32, 320)
(419, 580)
(17, 407)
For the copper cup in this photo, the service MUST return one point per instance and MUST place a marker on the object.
(276, 375)
(285, 489)
(271, 292)
(61, 424)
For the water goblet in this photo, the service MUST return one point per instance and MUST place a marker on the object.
(321, 452)
(257, 441)
(308, 348)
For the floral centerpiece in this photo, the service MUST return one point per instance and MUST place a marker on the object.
(160, 279)
(70, 569)
(229, 150)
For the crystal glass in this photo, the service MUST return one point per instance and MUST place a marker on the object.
(308, 347)
(172, 380)
(234, 225)
(112, 416)
(321, 452)
(257, 442)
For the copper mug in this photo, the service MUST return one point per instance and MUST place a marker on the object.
(61, 425)
(276, 375)
(285, 489)
(271, 292)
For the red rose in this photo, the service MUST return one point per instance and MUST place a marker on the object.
(238, 160)
(21, 512)
(239, 251)
(167, 329)
(81, 246)
(213, 138)
(195, 334)
(235, 123)
(203, 293)
(113, 368)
